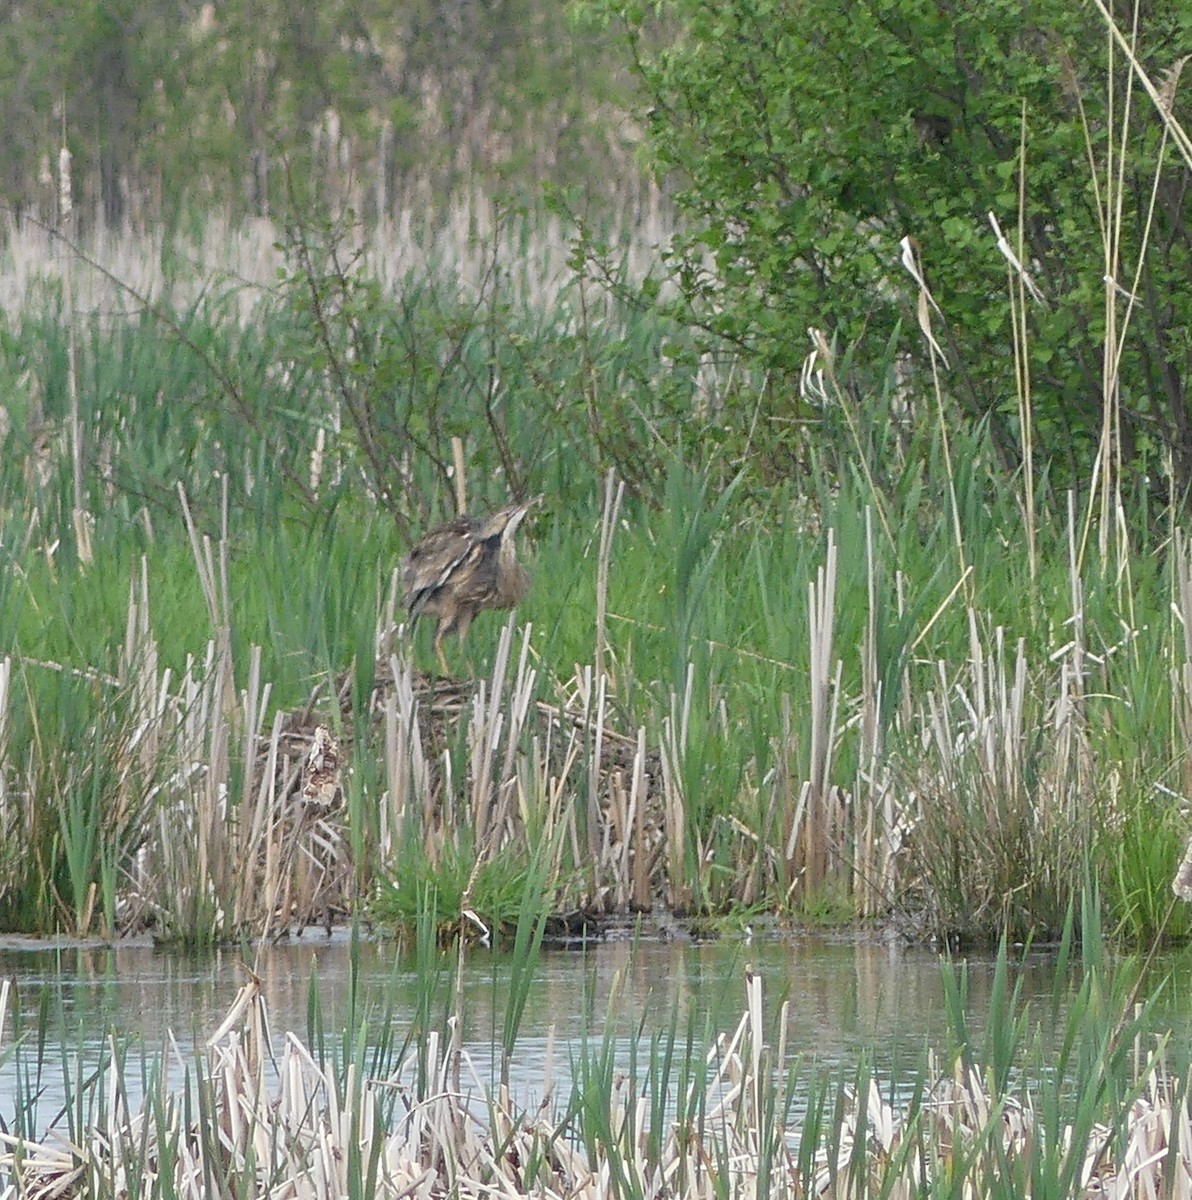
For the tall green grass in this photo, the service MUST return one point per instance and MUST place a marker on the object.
(788, 693)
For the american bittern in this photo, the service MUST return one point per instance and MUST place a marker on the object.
(464, 566)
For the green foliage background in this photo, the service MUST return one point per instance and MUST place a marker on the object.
(809, 138)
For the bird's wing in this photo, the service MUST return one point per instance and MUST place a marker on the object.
(435, 559)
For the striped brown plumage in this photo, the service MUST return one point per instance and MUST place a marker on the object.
(464, 566)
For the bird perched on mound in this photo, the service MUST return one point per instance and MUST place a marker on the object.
(464, 566)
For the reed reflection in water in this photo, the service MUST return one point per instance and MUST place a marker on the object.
(847, 996)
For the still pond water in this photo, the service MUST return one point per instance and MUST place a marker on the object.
(847, 996)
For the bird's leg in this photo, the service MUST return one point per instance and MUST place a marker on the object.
(439, 652)
(462, 627)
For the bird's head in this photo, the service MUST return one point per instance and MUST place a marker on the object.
(506, 520)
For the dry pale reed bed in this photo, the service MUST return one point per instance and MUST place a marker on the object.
(250, 1124)
(111, 269)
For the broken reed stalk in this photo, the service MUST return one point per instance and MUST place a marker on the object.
(546, 802)
(386, 630)
(215, 866)
(872, 793)
(640, 896)
(520, 698)
(492, 796)
(250, 824)
(624, 852)
(675, 829)
(217, 594)
(616, 851)
(786, 771)
(267, 860)
(823, 696)
(407, 771)
(139, 671)
(242, 856)
(1074, 693)
(609, 515)
(595, 722)
(461, 477)
(484, 736)
(1072, 765)
(142, 754)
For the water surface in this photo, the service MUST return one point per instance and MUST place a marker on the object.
(846, 997)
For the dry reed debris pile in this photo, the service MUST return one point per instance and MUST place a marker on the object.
(485, 765)
(291, 1126)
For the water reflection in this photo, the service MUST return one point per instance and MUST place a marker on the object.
(846, 996)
